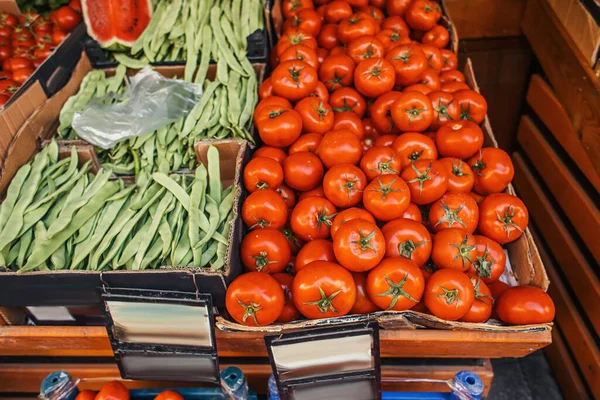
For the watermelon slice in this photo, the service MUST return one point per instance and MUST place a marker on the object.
(116, 24)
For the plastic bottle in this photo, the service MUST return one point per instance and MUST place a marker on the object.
(59, 385)
(233, 383)
(466, 385)
(273, 392)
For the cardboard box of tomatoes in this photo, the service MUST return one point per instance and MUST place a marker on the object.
(403, 215)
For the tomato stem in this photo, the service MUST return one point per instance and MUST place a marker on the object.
(465, 113)
(450, 295)
(483, 264)
(396, 290)
(421, 176)
(365, 241)
(406, 248)
(384, 167)
(443, 110)
(336, 80)
(250, 310)
(507, 220)
(324, 304)
(479, 295)
(261, 261)
(260, 223)
(464, 251)
(451, 216)
(385, 189)
(346, 106)
(414, 113)
(295, 73)
(321, 111)
(457, 169)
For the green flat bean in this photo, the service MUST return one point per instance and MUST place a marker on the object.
(12, 194)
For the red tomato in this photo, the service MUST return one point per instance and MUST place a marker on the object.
(316, 192)
(426, 180)
(503, 217)
(344, 184)
(449, 294)
(413, 213)
(374, 77)
(397, 24)
(347, 215)
(445, 109)
(365, 47)
(452, 76)
(19, 63)
(409, 62)
(58, 36)
(271, 101)
(362, 305)
(294, 80)
(278, 127)
(473, 106)
(315, 250)
(265, 89)
(264, 208)
(407, 238)
(422, 15)
(431, 80)
(454, 210)
(75, 5)
(482, 304)
(460, 175)
(8, 19)
(287, 194)
(395, 284)
(386, 197)
(490, 262)
(391, 38)
(434, 58)
(460, 139)
(337, 71)
(454, 248)
(254, 299)
(419, 87)
(477, 197)
(323, 289)
(380, 161)
(113, 391)
(5, 53)
(412, 112)
(340, 147)
(270, 152)
(300, 53)
(437, 36)
(306, 19)
(291, 7)
(265, 250)
(328, 36)
(312, 218)
(374, 12)
(449, 60)
(295, 37)
(355, 26)
(413, 146)
(169, 395)
(337, 11)
(303, 171)
(381, 113)
(28, 18)
(6, 31)
(497, 288)
(293, 241)
(452, 87)
(493, 170)
(262, 173)
(317, 116)
(86, 395)
(322, 55)
(397, 7)
(359, 245)
(525, 305)
(385, 140)
(348, 120)
(307, 142)
(8, 86)
(21, 75)
(289, 312)
(347, 99)
(42, 27)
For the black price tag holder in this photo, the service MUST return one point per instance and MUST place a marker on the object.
(162, 335)
(341, 362)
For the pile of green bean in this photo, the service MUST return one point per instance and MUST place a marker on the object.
(224, 110)
(58, 216)
(188, 29)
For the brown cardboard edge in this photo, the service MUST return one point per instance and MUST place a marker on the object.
(447, 18)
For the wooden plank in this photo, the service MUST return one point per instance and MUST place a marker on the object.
(565, 371)
(26, 378)
(573, 81)
(577, 270)
(578, 337)
(47, 341)
(476, 19)
(544, 103)
(574, 201)
(559, 358)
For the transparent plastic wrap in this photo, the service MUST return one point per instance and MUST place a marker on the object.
(150, 102)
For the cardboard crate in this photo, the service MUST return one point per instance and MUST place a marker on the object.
(82, 288)
(524, 267)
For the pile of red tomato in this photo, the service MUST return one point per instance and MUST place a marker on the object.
(28, 40)
(373, 189)
(117, 391)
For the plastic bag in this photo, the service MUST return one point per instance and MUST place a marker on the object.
(150, 102)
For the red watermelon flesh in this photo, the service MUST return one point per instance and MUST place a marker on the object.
(116, 23)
